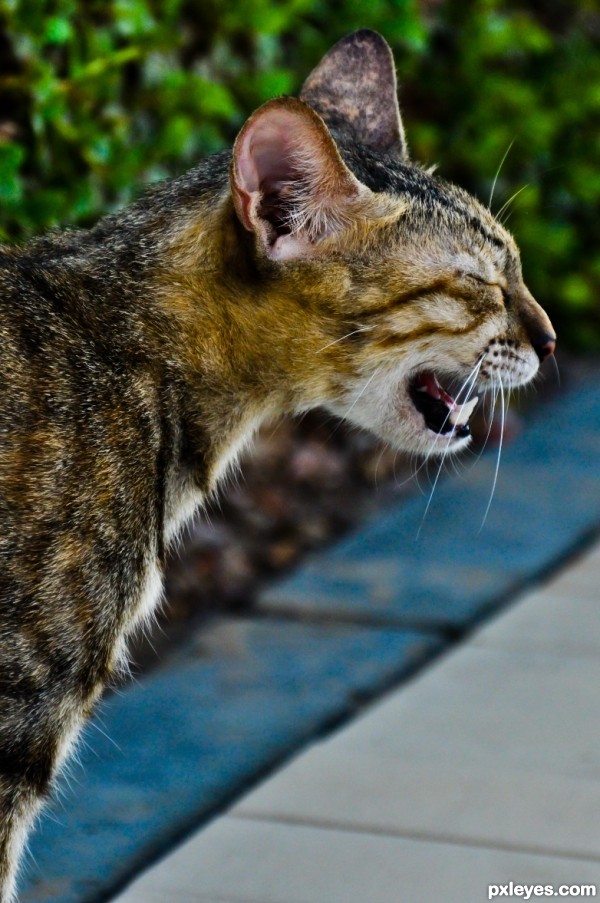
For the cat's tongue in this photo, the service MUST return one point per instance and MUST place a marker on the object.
(428, 383)
(440, 411)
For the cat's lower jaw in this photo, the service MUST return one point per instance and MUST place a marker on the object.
(431, 431)
(427, 412)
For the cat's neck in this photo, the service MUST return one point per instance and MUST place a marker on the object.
(237, 347)
(242, 348)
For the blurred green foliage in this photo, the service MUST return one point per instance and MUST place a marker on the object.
(98, 97)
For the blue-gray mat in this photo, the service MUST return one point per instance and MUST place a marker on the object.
(166, 753)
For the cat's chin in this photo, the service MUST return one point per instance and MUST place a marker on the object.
(436, 445)
(416, 437)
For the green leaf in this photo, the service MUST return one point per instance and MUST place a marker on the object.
(11, 184)
(58, 30)
(577, 292)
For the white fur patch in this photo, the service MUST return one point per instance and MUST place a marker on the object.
(150, 595)
(229, 457)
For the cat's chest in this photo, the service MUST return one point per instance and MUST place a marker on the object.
(148, 587)
(150, 591)
(182, 500)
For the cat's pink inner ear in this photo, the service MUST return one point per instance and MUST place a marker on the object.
(284, 158)
(264, 157)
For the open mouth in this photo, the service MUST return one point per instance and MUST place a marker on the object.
(440, 411)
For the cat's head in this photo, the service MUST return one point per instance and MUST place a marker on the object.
(413, 292)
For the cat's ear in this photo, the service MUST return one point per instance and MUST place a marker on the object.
(354, 89)
(289, 184)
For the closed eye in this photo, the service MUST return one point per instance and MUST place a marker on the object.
(506, 296)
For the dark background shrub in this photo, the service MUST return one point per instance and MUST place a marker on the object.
(99, 97)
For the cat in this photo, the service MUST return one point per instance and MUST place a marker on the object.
(315, 264)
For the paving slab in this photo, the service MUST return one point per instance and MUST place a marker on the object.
(242, 861)
(485, 706)
(487, 747)
(435, 799)
(560, 620)
(481, 770)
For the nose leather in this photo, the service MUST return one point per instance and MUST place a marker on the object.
(544, 345)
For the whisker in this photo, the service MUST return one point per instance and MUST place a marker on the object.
(413, 476)
(347, 336)
(500, 165)
(471, 378)
(492, 401)
(505, 219)
(510, 200)
(459, 466)
(470, 382)
(502, 420)
(431, 494)
(363, 390)
(378, 463)
(423, 464)
(394, 466)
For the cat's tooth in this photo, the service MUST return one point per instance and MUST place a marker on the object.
(460, 415)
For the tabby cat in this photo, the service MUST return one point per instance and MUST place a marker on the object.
(313, 265)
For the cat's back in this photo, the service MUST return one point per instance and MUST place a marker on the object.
(79, 427)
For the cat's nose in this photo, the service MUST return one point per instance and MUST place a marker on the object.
(537, 325)
(543, 345)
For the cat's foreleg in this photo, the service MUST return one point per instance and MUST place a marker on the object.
(36, 733)
(18, 807)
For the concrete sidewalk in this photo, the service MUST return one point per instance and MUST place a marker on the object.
(482, 770)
